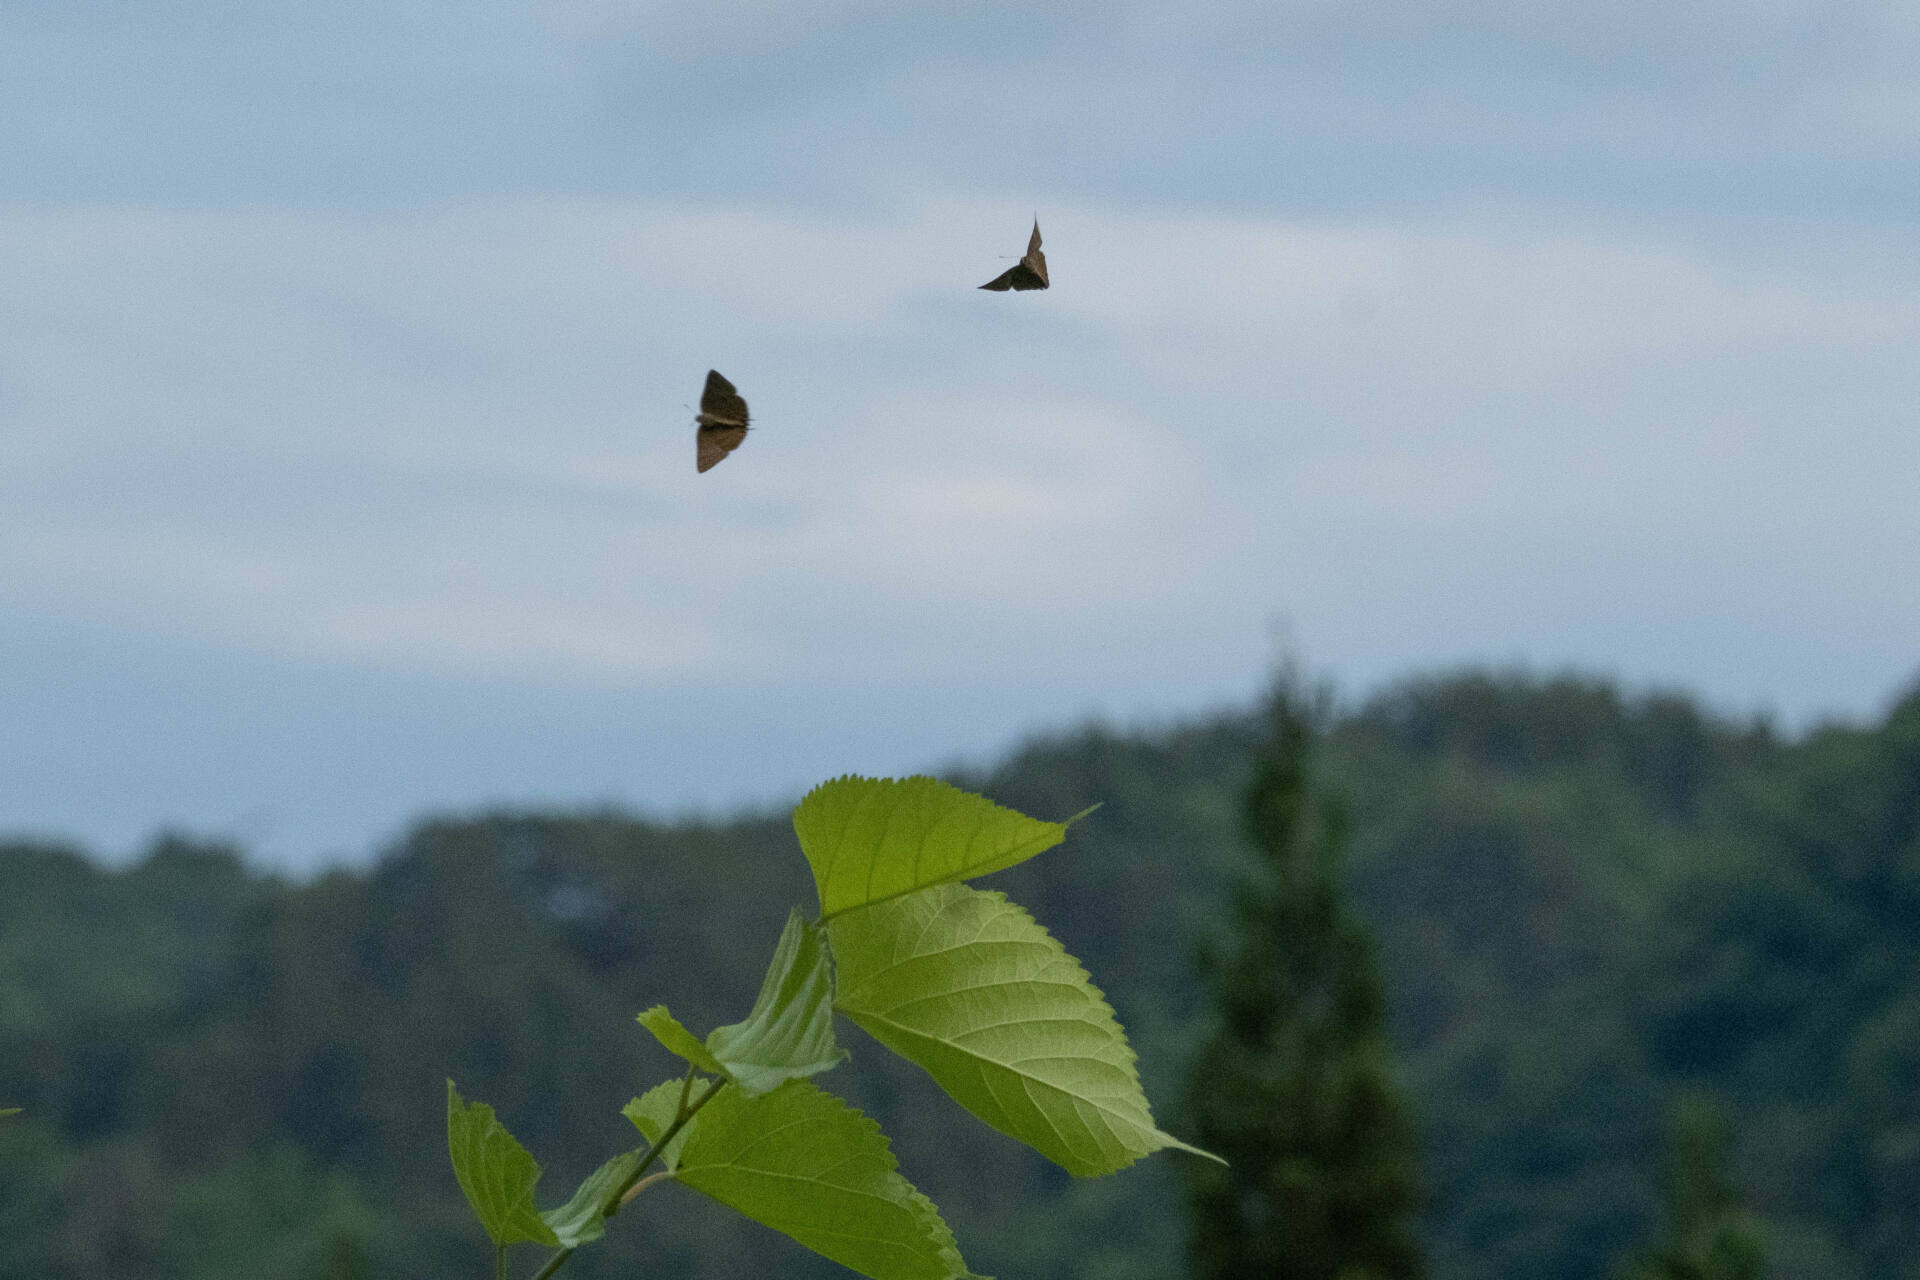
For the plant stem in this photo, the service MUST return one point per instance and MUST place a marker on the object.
(553, 1264)
(643, 1184)
(619, 1194)
(499, 1262)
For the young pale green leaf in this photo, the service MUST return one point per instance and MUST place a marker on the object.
(583, 1218)
(496, 1172)
(653, 1113)
(803, 1162)
(667, 1030)
(870, 839)
(789, 1033)
(8, 1111)
(968, 986)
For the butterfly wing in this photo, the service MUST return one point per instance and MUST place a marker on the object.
(720, 403)
(715, 443)
(722, 421)
(1031, 273)
(1035, 262)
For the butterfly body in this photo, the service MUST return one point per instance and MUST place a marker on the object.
(1029, 273)
(721, 423)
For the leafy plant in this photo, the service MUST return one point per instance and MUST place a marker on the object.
(959, 981)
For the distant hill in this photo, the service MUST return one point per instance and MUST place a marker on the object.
(1585, 903)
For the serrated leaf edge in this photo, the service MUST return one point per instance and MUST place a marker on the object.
(1115, 1121)
(491, 1121)
(1020, 853)
(933, 1227)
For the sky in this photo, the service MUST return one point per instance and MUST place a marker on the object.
(346, 356)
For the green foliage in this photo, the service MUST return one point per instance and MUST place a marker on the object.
(1584, 901)
(583, 1218)
(676, 1039)
(789, 1033)
(922, 966)
(1293, 1084)
(496, 1173)
(807, 1165)
(293, 1219)
(653, 1112)
(968, 987)
(870, 839)
(1707, 1235)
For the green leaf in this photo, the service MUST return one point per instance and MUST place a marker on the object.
(653, 1114)
(677, 1039)
(496, 1172)
(869, 839)
(583, 1218)
(789, 1033)
(965, 984)
(8, 1111)
(803, 1162)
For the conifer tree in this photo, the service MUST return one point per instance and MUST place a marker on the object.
(1293, 1087)
(1707, 1234)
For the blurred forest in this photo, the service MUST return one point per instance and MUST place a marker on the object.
(1587, 906)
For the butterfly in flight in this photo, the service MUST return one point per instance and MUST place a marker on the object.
(1029, 273)
(722, 421)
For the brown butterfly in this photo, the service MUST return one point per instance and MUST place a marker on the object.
(1030, 273)
(722, 421)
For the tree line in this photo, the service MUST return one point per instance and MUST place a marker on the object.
(1641, 983)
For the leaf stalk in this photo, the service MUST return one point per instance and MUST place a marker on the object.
(619, 1195)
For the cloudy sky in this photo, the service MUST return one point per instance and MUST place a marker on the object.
(346, 470)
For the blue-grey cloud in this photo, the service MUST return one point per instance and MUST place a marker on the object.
(1735, 108)
(345, 353)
